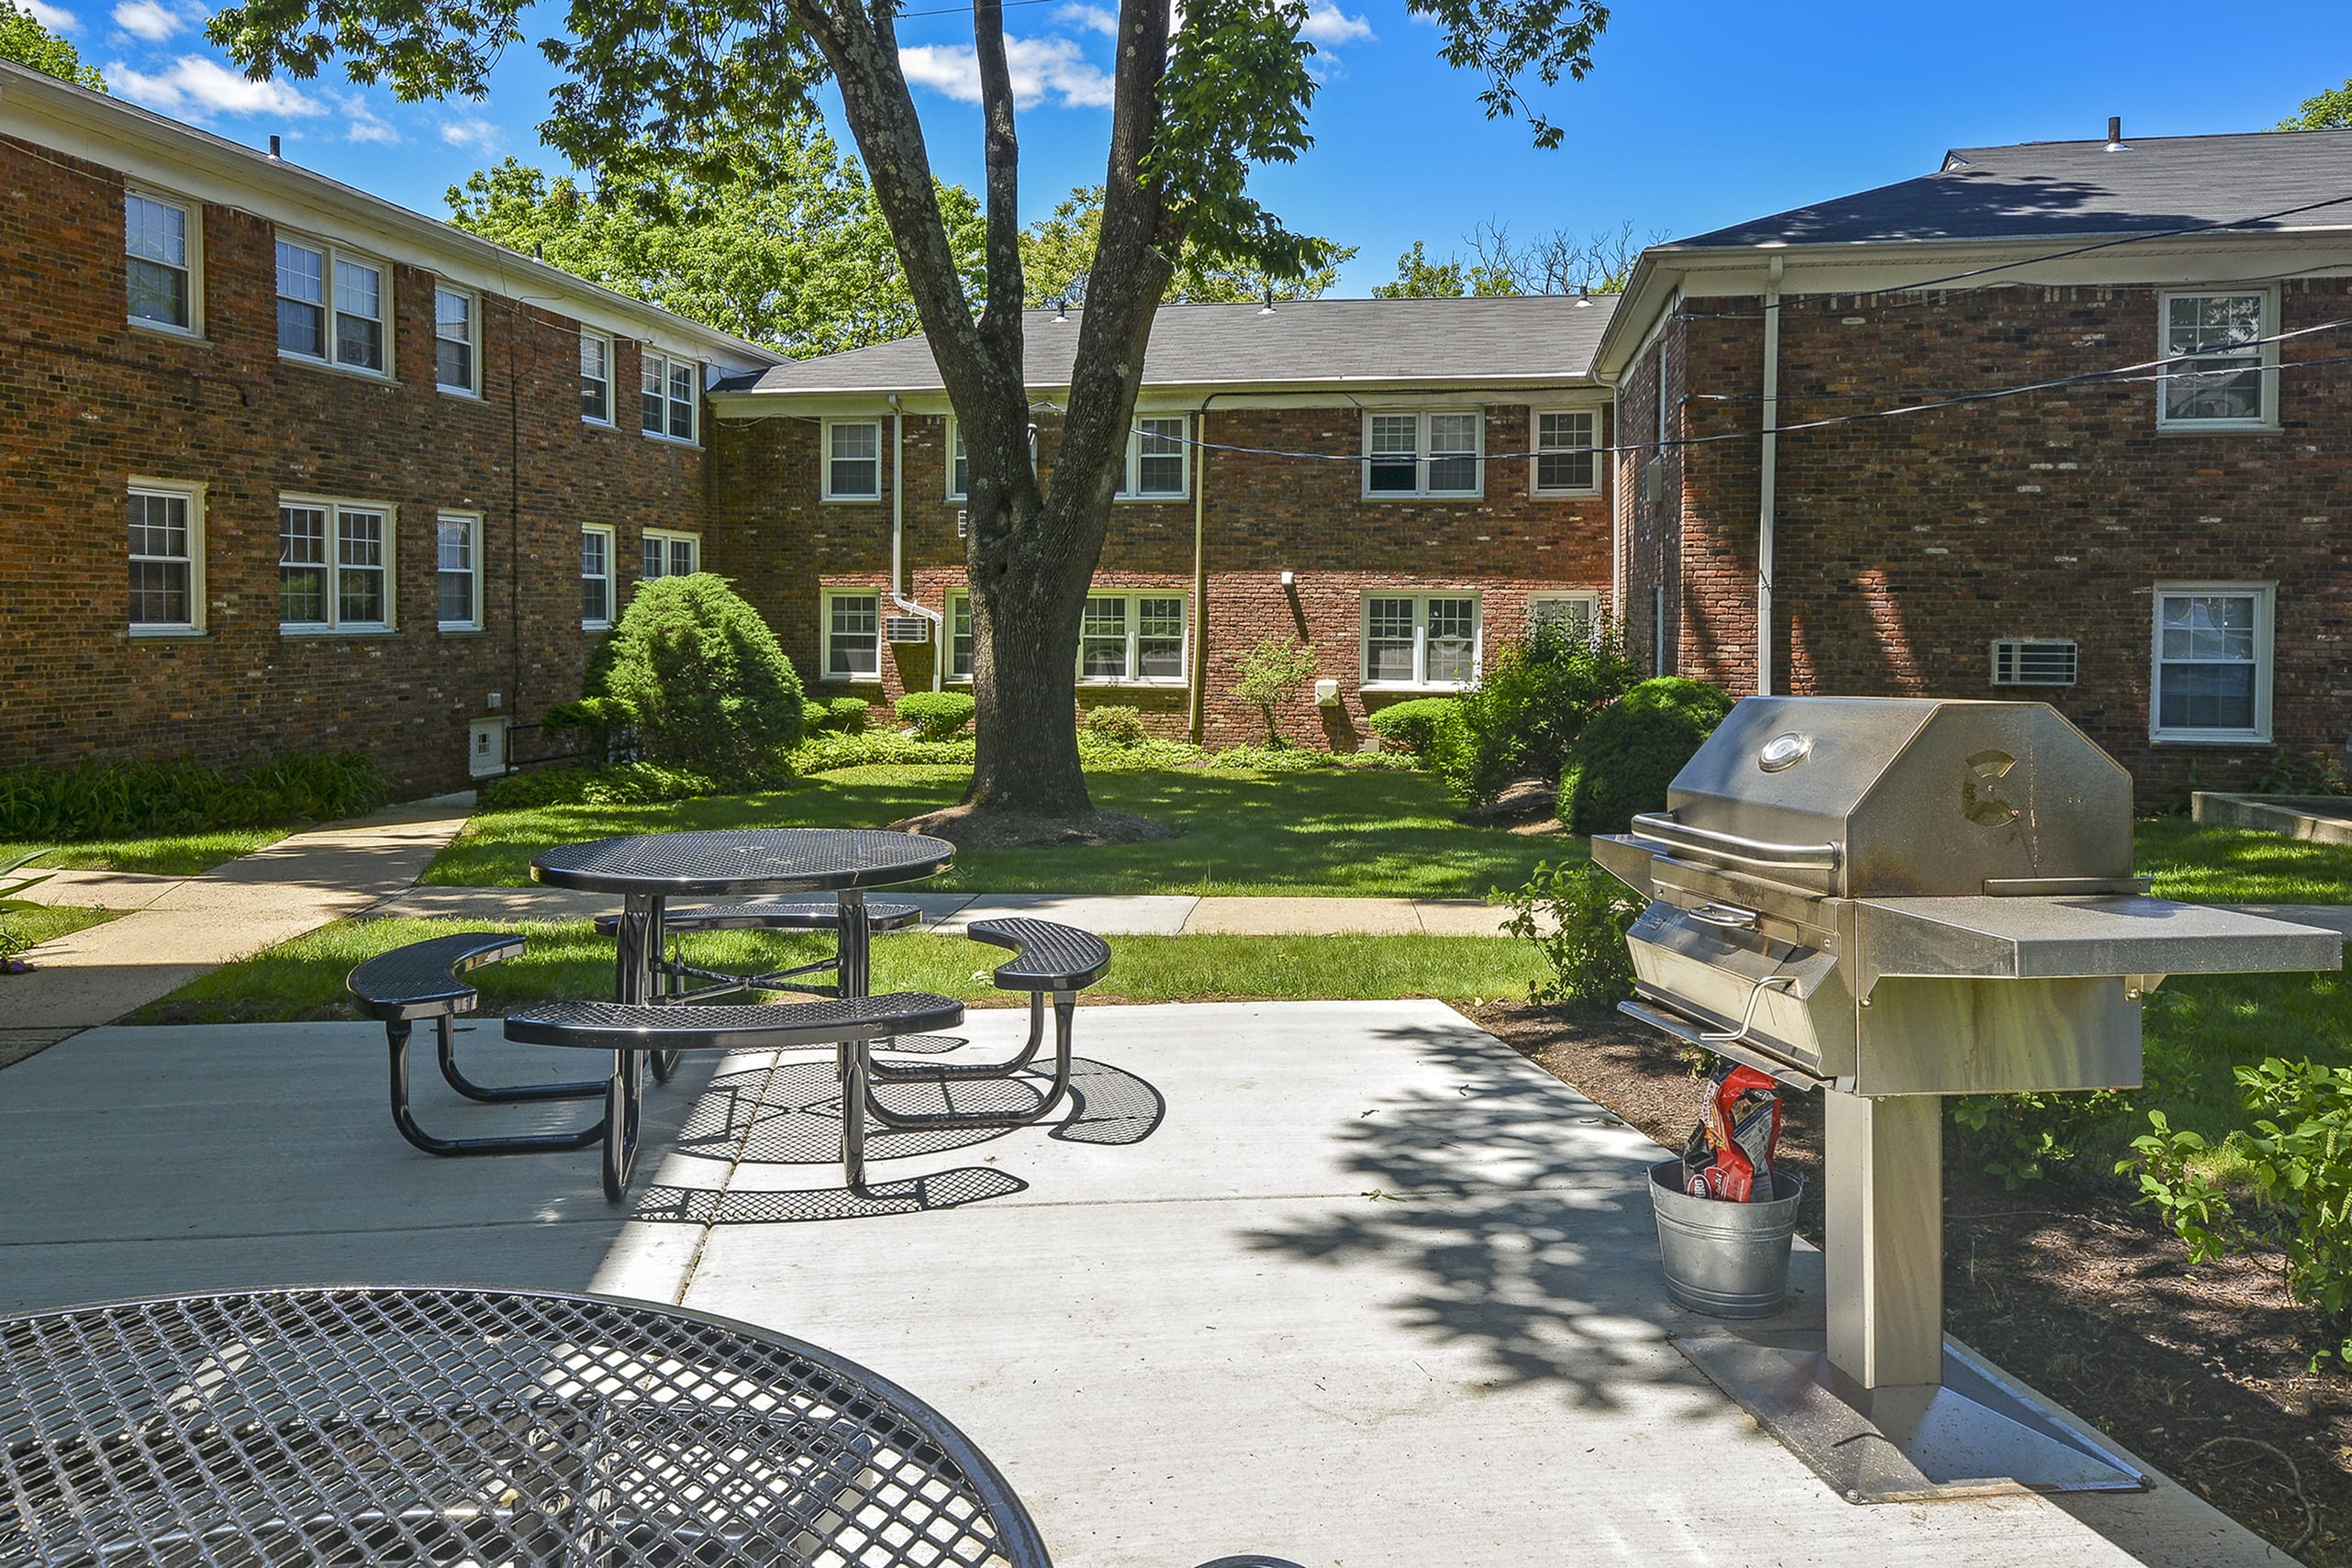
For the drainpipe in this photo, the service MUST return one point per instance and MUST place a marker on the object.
(1767, 474)
(1200, 717)
(898, 538)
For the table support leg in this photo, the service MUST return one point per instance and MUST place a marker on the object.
(636, 951)
(855, 949)
(396, 1035)
(624, 1100)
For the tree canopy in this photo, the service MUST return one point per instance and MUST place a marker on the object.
(2331, 110)
(26, 41)
(1554, 262)
(1057, 251)
(793, 253)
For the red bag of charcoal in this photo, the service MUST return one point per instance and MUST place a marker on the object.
(1730, 1153)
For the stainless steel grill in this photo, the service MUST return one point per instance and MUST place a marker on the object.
(1891, 900)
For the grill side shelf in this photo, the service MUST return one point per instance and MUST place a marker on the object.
(2060, 939)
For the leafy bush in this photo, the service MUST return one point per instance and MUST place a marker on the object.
(2298, 1160)
(619, 783)
(712, 691)
(848, 715)
(1532, 700)
(935, 714)
(814, 716)
(2022, 1137)
(1629, 752)
(878, 747)
(123, 800)
(608, 727)
(1115, 725)
(1273, 674)
(1409, 725)
(1577, 915)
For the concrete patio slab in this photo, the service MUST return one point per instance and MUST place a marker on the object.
(1303, 917)
(1345, 1282)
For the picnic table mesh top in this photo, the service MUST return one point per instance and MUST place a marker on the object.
(752, 860)
(393, 1425)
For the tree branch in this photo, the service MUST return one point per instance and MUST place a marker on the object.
(1000, 327)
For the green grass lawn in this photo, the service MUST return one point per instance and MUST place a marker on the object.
(29, 924)
(2237, 865)
(1368, 833)
(304, 978)
(172, 854)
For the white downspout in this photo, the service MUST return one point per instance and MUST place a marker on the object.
(1767, 474)
(898, 540)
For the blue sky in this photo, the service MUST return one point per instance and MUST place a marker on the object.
(1698, 113)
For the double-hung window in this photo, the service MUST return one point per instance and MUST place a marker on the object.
(852, 459)
(853, 636)
(1420, 639)
(166, 557)
(667, 554)
(1422, 454)
(1132, 640)
(1156, 458)
(595, 577)
(670, 388)
(596, 378)
(334, 565)
(959, 463)
(1574, 616)
(1566, 463)
(333, 307)
(2211, 677)
(457, 341)
(457, 570)
(159, 241)
(2221, 361)
(959, 637)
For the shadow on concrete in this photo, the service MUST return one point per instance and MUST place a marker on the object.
(914, 1194)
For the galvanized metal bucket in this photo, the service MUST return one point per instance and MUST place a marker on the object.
(1726, 1259)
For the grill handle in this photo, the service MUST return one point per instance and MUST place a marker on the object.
(1730, 916)
(1794, 1078)
(1660, 828)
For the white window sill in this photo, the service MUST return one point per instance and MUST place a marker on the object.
(831, 678)
(164, 329)
(596, 625)
(1375, 687)
(359, 373)
(669, 439)
(1591, 495)
(1132, 683)
(467, 394)
(305, 628)
(598, 424)
(167, 633)
(460, 627)
(2217, 427)
(2231, 737)
(1423, 495)
(850, 500)
(1155, 497)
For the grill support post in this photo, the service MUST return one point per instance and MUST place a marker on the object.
(1883, 1197)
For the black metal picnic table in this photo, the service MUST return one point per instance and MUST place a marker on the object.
(377, 1425)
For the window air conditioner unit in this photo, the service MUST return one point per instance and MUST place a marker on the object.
(2018, 662)
(907, 629)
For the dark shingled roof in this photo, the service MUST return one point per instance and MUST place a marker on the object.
(1312, 343)
(2051, 189)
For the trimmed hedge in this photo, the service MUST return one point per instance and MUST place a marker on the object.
(1115, 725)
(1630, 751)
(712, 688)
(848, 715)
(1534, 697)
(127, 800)
(935, 714)
(1410, 726)
(622, 783)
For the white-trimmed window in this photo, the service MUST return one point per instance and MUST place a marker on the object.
(2221, 370)
(595, 577)
(1567, 463)
(159, 243)
(1429, 453)
(667, 554)
(669, 389)
(2212, 676)
(1427, 640)
(853, 636)
(166, 557)
(1132, 640)
(852, 459)
(1157, 461)
(959, 637)
(959, 463)
(1576, 615)
(457, 565)
(334, 307)
(596, 378)
(334, 565)
(457, 341)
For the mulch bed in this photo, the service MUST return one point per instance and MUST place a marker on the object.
(2068, 1286)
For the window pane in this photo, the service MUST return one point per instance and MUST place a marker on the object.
(595, 381)
(1574, 618)
(1564, 442)
(359, 315)
(1453, 639)
(2222, 376)
(302, 298)
(596, 575)
(1452, 476)
(653, 559)
(654, 379)
(161, 566)
(1451, 438)
(1389, 639)
(302, 565)
(1102, 640)
(358, 575)
(853, 628)
(959, 661)
(683, 391)
(959, 482)
(454, 364)
(2207, 696)
(855, 465)
(455, 556)
(682, 557)
(1397, 439)
(156, 237)
(1159, 639)
(1159, 460)
(159, 593)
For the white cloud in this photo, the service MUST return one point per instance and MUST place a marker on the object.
(147, 20)
(472, 133)
(1327, 24)
(363, 124)
(193, 84)
(1093, 17)
(56, 19)
(1040, 68)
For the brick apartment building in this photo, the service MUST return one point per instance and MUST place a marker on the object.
(2156, 549)
(1249, 509)
(287, 465)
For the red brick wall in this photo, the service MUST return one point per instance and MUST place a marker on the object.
(1906, 545)
(89, 402)
(1264, 514)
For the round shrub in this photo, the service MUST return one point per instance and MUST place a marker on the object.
(1409, 725)
(848, 715)
(935, 714)
(1629, 752)
(1116, 725)
(1531, 701)
(712, 689)
(814, 716)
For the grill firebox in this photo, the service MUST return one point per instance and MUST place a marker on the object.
(1891, 900)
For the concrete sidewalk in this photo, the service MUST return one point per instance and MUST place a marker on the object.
(1345, 1283)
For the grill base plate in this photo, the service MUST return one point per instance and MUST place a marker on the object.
(1977, 1434)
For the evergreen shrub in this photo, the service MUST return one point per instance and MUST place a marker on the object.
(712, 689)
(1627, 756)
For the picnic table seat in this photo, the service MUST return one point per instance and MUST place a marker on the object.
(420, 981)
